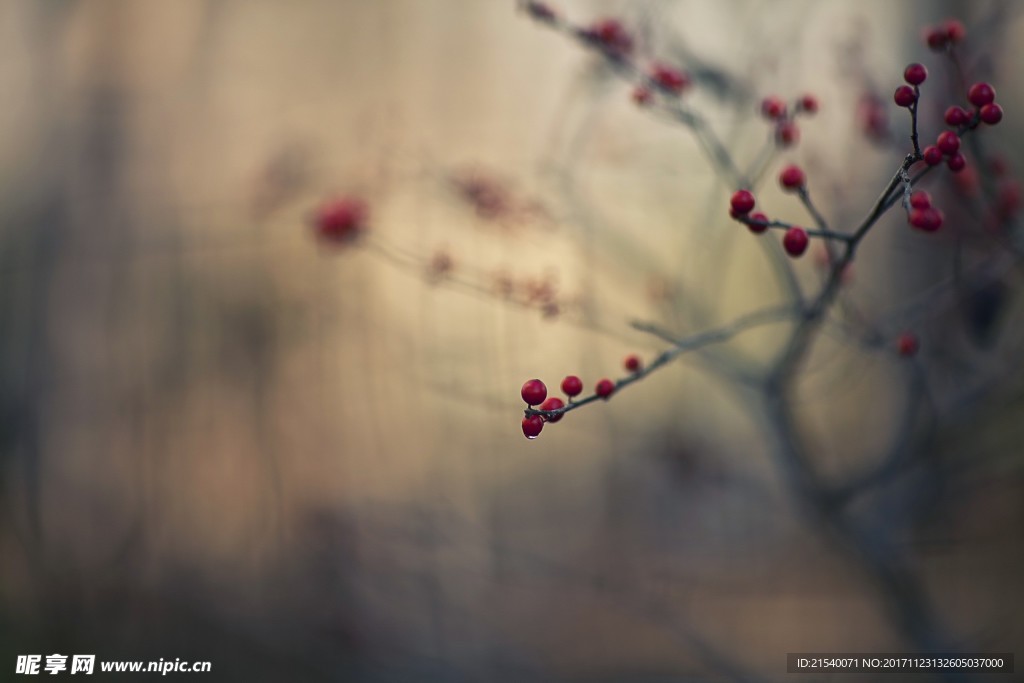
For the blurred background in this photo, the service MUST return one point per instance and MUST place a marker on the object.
(222, 439)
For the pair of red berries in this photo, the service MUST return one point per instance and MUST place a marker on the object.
(983, 95)
(923, 215)
(774, 109)
(534, 392)
(667, 78)
(946, 34)
(915, 74)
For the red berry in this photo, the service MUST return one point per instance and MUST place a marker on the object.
(948, 142)
(773, 108)
(956, 162)
(792, 178)
(991, 113)
(534, 392)
(873, 117)
(795, 241)
(553, 403)
(956, 116)
(341, 220)
(915, 74)
(757, 222)
(904, 96)
(613, 35)
(605, 388)
(633, 363)
(932, 155)
(920, 200)
(936, 36)
(787, 134)
(809, 104)
(981, 94)
(967, 181)
(742, 202)
(572, 386)
(1009, 197)
(671, 79)
(907, 344)
(955, 31)
(642, 95)
(928, 219)
(532, 426)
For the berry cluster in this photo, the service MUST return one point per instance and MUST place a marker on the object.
(660, 85)
(551, 408)
(775, 110)
(922, 215)
(947, 145)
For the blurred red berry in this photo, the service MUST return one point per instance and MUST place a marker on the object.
(605, 388)
(929, 219)
(787, 134)
(873, 117)
(920, 200)
(534, 392)
(907, 344)
(757, 222)
(532, 426)
(792, 178)
(915, 74)
(932, 155)
(553, 403)
(632, 363)
(956, 116)
(991, 113)
(956, 162)
(948, 142)
(642, 95)
(612, 35)
(341, 220)
(904, 96)
(955, 30)
(572, 386)
(742, 202)
(773, 108)
(1009, 200)
(967, 182)
(669, 78)
(795, 241)
(981, 94)
(937, 37)
(809, 104)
